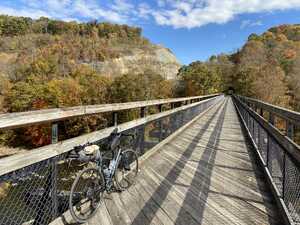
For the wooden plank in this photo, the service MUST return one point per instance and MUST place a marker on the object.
(142, 213)
(121, 207)
(167, 201)
(15, 120)
(132, 203)
(195, 203)
(218, 176)
(101, 217)
(285, 214)
(116, 215)
(227, 189)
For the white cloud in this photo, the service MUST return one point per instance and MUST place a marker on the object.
(175, 13)
(118, 11)
(249, 23)
(144, 11)
(26, 12)
(122, 6)
(196, 13)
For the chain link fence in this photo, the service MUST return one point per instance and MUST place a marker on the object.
(282, 166)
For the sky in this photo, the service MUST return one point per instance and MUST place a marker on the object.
(191, 29)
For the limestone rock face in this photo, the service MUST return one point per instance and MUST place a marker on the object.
(157, 59)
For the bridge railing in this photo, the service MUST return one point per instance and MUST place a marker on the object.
(35, 185)
(277, 150)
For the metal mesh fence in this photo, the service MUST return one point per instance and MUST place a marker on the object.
(39, 193)
(275, 163)
(292, 189)
(282, 167)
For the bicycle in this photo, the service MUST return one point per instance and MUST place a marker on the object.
(118, 171)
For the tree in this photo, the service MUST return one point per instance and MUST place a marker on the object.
(269, 85)
(198, 79)
(139, 87)
(95, 88)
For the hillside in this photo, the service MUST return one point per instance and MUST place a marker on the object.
(267, 67)
(159, 59)
(273, 64)
(39, 53)
(48, 63)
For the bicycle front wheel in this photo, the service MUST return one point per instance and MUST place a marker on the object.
(86, 194)
(127, 169)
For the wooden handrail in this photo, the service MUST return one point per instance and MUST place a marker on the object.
(292, 148)
(22, 160)
(284, 113)
(22, 119)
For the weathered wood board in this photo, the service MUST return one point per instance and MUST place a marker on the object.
(206, 175)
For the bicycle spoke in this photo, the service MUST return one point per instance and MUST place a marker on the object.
(86, 194)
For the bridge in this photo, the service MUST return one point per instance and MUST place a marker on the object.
(204, 160)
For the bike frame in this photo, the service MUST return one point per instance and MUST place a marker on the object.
(113, 170)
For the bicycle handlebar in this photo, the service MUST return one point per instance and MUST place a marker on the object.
(81, 157)
(78, 153)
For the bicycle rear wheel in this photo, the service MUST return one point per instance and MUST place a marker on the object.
(127, 169)
(86, 194)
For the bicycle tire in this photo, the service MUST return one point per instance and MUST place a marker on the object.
(93, 189)
(129, 177)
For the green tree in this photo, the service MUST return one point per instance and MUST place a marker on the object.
(198, 79)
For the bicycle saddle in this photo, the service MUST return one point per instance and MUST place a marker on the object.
(91, 149)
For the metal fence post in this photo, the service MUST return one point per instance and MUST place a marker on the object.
(160, 108)
(290, 134)
(290, 130)
(271, 121)
(261, 112)
(54, 133)
(49, 196)
(283, 175)
(115, 119)
(143, 112)
(54, 139)
(271, 118)
(268, 149)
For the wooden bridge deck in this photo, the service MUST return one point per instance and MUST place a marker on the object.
(206, 175)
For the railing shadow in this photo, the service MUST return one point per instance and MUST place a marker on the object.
(174, 173)
(199, 198)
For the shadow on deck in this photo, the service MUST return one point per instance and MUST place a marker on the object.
(206, 175)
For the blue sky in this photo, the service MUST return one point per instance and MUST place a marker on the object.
(192, 29)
